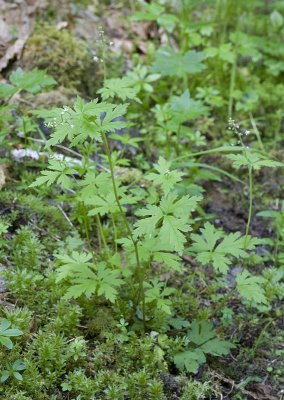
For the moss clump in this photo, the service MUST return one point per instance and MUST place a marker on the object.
(62, 55)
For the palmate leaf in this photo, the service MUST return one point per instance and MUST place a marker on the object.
(157, 292)
(32, 81)
(172, 232)
(98, 280)
(150, 12)
(87, 278)
(71, 263)
(253, 160)
(94, 184)
(164, 178)
(155, 12)
(7, 90)
(57, 172)
(179, 207)
(201, 332)
(170, 63)
(148, 225)
(93, 108)
(185, 108)
(112, 120)
(103, 205)
(189, 360)
(204, 337)
(249, 287)
(225, 52)
(121, 88)
(168, 221)
(208, 251)
(106, 203)
(169, 259)
(83, 121)
(151, 248)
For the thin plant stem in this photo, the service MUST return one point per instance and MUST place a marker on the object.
(250, 171)
(277, 132)
(223, 302)
(111, 167)
(87, 232)
(140, 270)
(232, 87)
(256, 131)
(234, 70)
(101, 232)
(222, 149)
(250, 205)
(259, 339)
(114, 233)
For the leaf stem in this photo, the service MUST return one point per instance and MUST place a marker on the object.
(87, 231)
(101, 231)
(256, 131)
(250, 205)
(211, 151)
(141, 270)
(232, 87)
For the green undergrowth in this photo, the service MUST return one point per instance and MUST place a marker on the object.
(141, 230)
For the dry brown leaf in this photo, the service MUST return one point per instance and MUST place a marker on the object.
(17, 17)
(263, 391)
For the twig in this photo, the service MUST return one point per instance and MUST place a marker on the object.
(234, 385)
(45, 232)
(70, 151)
(65, 215)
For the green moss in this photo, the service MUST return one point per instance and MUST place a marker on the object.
(64, 56)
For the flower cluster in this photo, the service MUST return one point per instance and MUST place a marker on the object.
(238, 131)
(51, 124)
(235, 127)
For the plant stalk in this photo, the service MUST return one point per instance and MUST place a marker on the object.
(141, 271)
(250, 205)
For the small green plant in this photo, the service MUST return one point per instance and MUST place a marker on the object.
(6, 332)
(201, 339)
(13, 370)
(213, 247)
(32, 82)
(88, 278)
(161, 228)
(252, 161)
